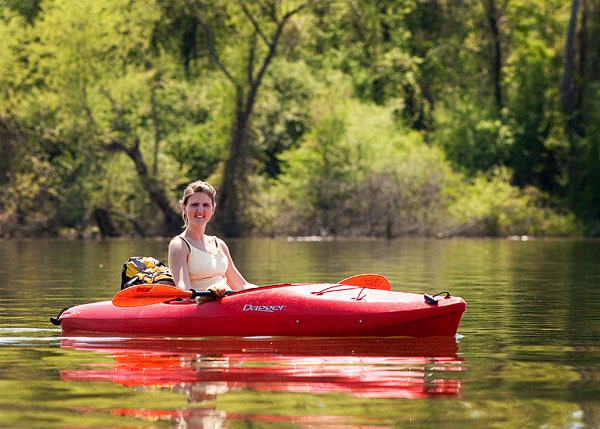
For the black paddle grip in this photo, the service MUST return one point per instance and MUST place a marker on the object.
(211, 293)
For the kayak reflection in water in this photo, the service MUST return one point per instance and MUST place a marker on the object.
(197, 260)
(210, 371)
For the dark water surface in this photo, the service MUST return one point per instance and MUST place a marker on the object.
(527, 354)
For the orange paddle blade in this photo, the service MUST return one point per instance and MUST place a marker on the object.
(136, 296)
(371, 281)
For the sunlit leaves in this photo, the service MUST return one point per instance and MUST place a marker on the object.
(357, 98)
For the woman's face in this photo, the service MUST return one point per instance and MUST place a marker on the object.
(199, 209)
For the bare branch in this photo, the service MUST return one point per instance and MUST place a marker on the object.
(257, 28)
(213, 53)
(114, 145)
(251, 59)
(268, 7)
(148, 181)
(120, 124)
(566, 83)
(303, 6)
(273, 16)
(272, 47)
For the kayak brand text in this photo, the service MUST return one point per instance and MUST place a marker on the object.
(263, 308)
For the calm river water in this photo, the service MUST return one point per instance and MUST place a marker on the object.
(527, 354)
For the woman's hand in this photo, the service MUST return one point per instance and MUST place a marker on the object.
(217, 290)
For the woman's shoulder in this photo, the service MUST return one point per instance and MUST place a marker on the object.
(179, 242)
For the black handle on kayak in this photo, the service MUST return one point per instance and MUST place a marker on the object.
(430, 299)
(56, 320)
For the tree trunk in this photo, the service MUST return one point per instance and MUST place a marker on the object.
(229, 203)
(567, 83)
(172, 220)
(229, 200)
(493, 17)
(155, 124)
(104, 221)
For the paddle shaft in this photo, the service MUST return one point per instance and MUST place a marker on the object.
(147, 294)
(143, 292)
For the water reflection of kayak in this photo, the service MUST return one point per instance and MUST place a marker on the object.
(204, 368)
(283, 310)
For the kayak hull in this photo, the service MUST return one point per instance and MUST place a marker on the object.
(285, 310)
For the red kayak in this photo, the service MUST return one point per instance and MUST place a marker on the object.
(318, 310)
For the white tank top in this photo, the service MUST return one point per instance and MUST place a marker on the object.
(206, 269)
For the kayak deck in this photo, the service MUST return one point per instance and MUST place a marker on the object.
(283, 310)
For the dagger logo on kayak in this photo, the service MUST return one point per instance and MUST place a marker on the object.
(263, 308)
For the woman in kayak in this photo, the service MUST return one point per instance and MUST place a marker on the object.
(197, 260)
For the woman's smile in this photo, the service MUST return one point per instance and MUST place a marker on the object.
(200, 214)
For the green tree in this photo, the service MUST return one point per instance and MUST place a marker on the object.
(538, 152)
(358, 173)
(579, 90)
(370, 42)
(88, 88)
(341, 118)
(28, 9)
(241, 41)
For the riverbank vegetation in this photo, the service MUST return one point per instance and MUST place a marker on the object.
(337, 118)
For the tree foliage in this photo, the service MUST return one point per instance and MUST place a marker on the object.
(379, 118)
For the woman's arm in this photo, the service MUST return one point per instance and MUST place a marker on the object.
(178, 262)
(234, 277)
